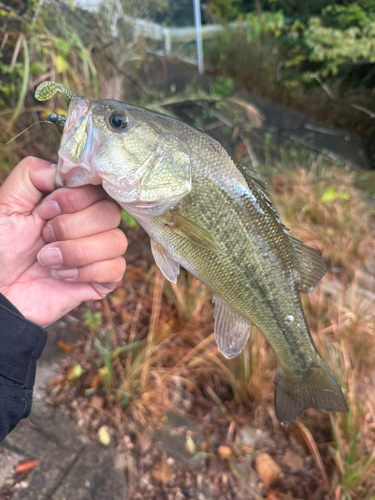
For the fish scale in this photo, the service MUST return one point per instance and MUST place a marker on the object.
(239, 258)
(211, 215)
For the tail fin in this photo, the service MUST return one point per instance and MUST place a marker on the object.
(317, 388)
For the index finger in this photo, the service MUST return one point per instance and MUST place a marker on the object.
(70, 200)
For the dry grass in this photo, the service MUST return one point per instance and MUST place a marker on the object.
(341, 311)
(173, 361)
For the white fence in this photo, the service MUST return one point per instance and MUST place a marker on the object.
(162, 38)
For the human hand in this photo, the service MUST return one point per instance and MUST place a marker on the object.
(82, 259)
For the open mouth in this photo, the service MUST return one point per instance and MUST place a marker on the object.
(77, 148)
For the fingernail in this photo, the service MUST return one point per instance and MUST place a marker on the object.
(48, 234)
(50, 256)
(49, 209)
(64, 274)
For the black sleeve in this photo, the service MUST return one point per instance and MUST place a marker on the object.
(21, 344)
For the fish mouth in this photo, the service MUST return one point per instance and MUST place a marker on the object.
(71, 175)
(77, 149)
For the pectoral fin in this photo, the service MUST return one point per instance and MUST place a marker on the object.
(311, 265)
(231, 330)
(165, 262)
(192, 231)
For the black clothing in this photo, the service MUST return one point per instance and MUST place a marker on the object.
(21, 344)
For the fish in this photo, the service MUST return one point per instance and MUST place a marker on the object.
(213, 216)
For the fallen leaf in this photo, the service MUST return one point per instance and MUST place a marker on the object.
(190, 445)
(74, 373)
(97, 401)
(96, 380)
(103, 435)
(143, 441)
(64, 346)
(162, 471)
(205, 447)
(293, 460)
(118, 296)
(225, 452)
(59, 380)
(26, 466)
(247, 448)
(136, 273)
(125, 317)
(268, 470)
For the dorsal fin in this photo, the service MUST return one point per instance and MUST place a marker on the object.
(311, 265)
(253, 180)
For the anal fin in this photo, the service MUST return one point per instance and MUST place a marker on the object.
(169, 267)
(231, 330)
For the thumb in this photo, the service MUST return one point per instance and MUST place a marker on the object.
(25, 185)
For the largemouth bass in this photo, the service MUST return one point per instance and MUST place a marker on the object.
(213, 216)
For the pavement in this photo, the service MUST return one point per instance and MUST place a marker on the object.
(70, 466)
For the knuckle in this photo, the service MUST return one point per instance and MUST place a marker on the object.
(77, 199)
(78, 253)
(109, 212)
(63, 197)
(60, 227)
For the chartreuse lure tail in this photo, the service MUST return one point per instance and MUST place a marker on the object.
(45, 91)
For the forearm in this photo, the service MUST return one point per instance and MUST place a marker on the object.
(21, 344)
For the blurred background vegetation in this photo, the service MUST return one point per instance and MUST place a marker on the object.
(149, 348)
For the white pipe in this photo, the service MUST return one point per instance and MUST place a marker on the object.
(198, 28)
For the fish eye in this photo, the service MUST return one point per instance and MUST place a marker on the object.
(118, 121)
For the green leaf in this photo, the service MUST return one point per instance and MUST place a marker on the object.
(125, 348)
(77, 371)
(94, 320)
(329, 195)
(128, 219)
(344, 196)
(61, 64)
(223, 86)
(38, 67)
(62, 46)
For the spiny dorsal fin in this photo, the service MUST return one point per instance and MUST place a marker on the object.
(311, 265)
(231, 330)
(253, 180)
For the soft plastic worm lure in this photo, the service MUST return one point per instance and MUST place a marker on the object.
(45, 91)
